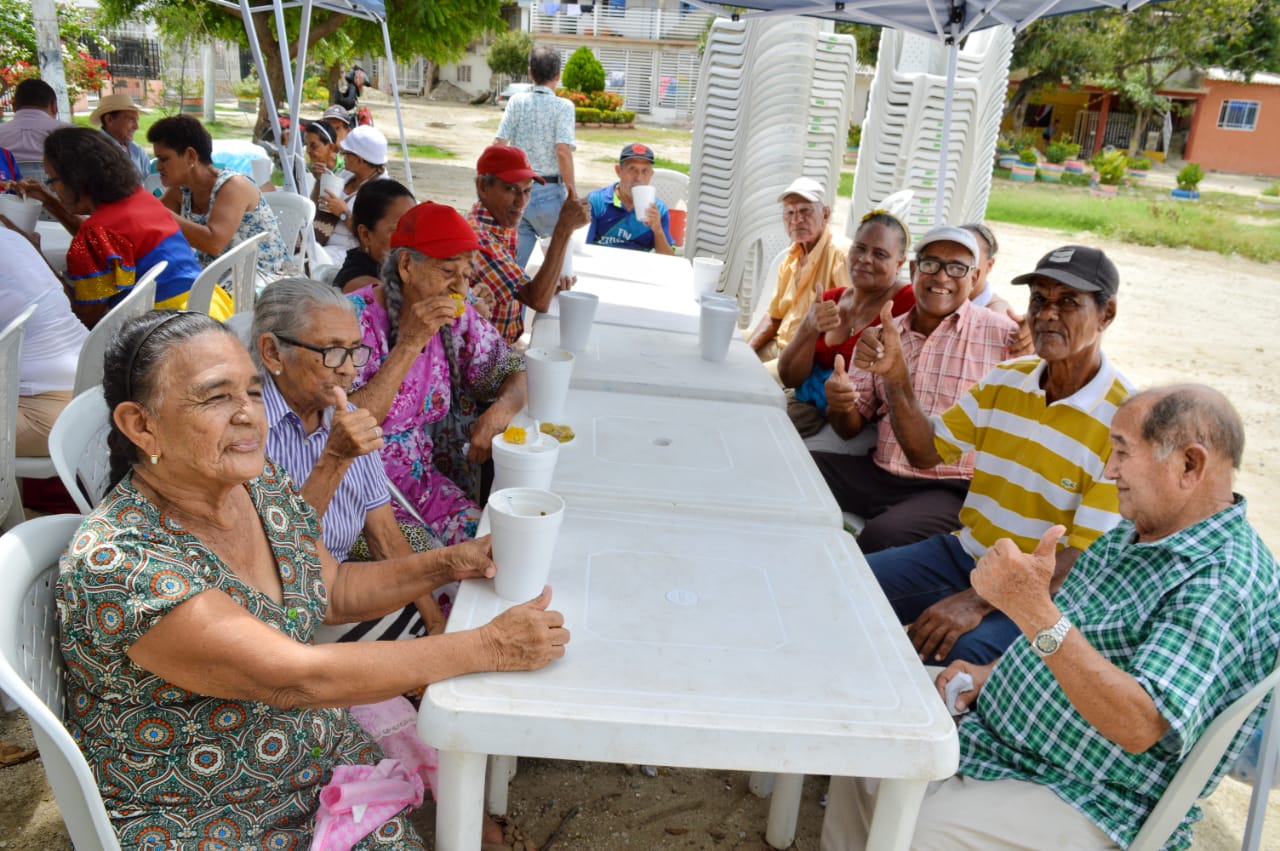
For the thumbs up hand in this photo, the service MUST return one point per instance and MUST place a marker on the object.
(1015, 582)
(842, 397)
(351, 433)
(879, 349)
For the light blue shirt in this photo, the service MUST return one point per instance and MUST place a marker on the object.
(535, 122)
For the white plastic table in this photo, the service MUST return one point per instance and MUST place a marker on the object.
(623, 264)
(54, 242)
(663, 363)
(638, 304)
(650, 453)
(701, 643)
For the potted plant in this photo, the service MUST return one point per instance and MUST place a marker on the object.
(1137, 167)
(1110, 167)
(1055, 155)
(1025, 168)
(187, 92)
(246, 92)
(1072, 164)
(1189, 177)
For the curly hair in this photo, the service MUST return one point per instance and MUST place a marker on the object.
(889, 220)
(179, 132)
(90, 164)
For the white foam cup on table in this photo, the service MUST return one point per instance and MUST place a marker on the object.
(330, 183)
(706, 275)
(525, 523)
(547, 372)
(23, 212)
(525, 465)
(643, 197)
(716, 324)
(577, 312)
(566, 265)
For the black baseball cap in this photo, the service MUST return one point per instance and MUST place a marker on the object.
(1079, 267)
(636, 151)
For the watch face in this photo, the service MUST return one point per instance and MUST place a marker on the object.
(1045, 642)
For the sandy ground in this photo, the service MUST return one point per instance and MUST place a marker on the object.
(1184, 316)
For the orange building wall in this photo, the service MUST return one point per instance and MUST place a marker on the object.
(1241, 151)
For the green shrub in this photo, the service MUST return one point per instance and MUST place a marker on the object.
(1027, 156)
(509, 54)
(586, 115)
(854, 138)
(1272, 191)
(1138, 163)
(583, 72)
(1189, 177)
(1111, 166)
(606, 101)
(1056, 152)
(625, 116)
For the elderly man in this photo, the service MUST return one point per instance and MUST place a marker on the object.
(541, 124)
(1038, 430)
(948, 344)
(117, 114)
(35, 115)
(614, 219)
(814, 264)
(1164, 622)
(504, 180)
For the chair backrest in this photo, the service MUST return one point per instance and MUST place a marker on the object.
(141, 299)
(296, 214)
(262, 169)
(11, 364)
(238, 265)
(31, 671)
(241, 324)
(78, 447)
(153, 184)
(1199, 766)
(672, 186)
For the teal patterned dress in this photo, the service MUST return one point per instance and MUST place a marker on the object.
(178, 769)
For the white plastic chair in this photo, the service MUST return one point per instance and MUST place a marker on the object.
(296, 214)
(78, 446)
(31, 672)
(141, 299)
(672, 186)
(241, 324)
(240, 264)
(11, 364)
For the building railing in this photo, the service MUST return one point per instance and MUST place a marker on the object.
(679, 22)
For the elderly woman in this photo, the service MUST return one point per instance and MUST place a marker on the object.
(364, 152)
(435, 362)
(307, 342)
(119, 230)
(189, 599)
(832, 326)
(374, 215)
(216, 209)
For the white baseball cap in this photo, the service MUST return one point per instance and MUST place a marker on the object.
(807, 188)
(367, 143)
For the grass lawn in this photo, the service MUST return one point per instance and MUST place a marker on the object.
(654, 136)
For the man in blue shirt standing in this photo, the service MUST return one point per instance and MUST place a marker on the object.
(614, 219)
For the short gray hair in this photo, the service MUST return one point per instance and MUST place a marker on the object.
(1192, 413)
(286, 307)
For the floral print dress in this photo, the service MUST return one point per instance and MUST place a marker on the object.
(430, 419)
(274, 258)
(178, 769)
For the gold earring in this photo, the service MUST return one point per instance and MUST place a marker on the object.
(155, 457)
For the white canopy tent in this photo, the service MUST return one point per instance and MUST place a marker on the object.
(295, 68)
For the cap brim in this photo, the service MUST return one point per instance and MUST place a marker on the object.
(1062, 276)
(808, 196)
(516, 175)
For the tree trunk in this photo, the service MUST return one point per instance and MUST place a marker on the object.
(1140, 119)
(1024, 90)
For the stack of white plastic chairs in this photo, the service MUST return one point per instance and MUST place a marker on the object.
(773, 105)
(902, 137)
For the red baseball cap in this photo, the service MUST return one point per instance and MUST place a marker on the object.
(506, 163)
(437, 230)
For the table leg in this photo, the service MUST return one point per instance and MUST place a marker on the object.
(784, 809)
(459, 801)
(894, 819)
(761, 784)
(498, 778)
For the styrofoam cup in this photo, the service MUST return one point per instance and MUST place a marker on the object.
(548, 372)
(525, 523)
(706, 275)
(577, 312)
(716, 323)
(330, 183)
(527, 465)
(566, 265)
(642, 197)
(23, 212)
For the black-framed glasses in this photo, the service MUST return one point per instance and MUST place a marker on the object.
(955, 269)
(333, 356)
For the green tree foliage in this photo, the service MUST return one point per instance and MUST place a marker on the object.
(1056, 50)
(509, 54)
(867, 38)
(77, 26)
(583, 72)
(1257, 47)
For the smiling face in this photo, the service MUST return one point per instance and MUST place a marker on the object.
(504, 201)
(1066, 323)
(939, 295)
(1148, 486)
(121, 125)
(320, 151)
(804, 220)
(875, 257)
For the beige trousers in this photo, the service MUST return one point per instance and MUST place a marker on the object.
(962, 813)
(35, 419)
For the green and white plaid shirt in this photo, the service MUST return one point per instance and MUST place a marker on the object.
(1193, 617)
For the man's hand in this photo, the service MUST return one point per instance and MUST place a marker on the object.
(574, 213)
(841, 395)
(980, 674)
(351, 433)
(938, 628)
(823, 316)
(472, 559)
(420, 321)
(566, 282)
(653, 218)
(525, 637)
(1024, 344)
(1015, 582)
(879, 350)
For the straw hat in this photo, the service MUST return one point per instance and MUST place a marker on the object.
(112, 103)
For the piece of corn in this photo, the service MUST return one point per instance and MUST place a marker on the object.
(516, 435)
(462, 304)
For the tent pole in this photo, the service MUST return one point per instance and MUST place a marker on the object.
(286, 150)
(296, 164)
(256, 49)
(940, 198)
(395, 93)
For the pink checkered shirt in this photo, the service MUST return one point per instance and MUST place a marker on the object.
(943, 366)
(498, 277)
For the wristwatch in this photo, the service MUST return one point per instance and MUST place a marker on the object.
(343, 216)
(1047, 641)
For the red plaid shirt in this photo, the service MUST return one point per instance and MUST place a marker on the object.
(497, 277)
(943, 366)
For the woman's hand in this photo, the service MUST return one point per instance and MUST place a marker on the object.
(32, 188)
(487, 426)
(319, 168)
(471, 559)
(842, 398)
(333, 204)
(420, 320)
(351, 433)
(525, 637)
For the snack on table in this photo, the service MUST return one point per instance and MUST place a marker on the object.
(515, 435)
(462, 304)
(562, 433)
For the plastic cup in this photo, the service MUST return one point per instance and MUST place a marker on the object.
(577, 312)
(330, 183)
(706, 275)
(548, 372)
(525, 523)
(527, 465)
(643, 197)
(566, 265)
(716, 323)
(23, 212)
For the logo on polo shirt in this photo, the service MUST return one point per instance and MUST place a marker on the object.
(1068, 484)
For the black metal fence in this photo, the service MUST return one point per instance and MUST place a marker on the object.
(132, 57)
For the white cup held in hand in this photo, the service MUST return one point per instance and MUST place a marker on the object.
(548, 372)
(23, 212)
(643, 197)
(525, 523)
(577, 312)
(706, 275)
(566, 265)
(330, 183)
(525, 465)
(716, 324)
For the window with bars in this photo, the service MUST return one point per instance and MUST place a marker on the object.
(464, 73)
(1238, 115)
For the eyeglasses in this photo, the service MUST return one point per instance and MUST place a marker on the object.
(955, 269)
(334, 356)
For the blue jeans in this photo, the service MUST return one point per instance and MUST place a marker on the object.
(918, 575)
(539, 217)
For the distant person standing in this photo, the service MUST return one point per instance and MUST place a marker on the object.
(35, 115)
(541, 124)
(346, 93)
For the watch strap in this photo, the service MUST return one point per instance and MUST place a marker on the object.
(1047, 641)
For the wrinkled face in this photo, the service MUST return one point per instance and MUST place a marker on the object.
(432, 277)
(1066, 323)
(304, 381)
(209, 422)
(875, 257)
(636, 171)
(504, 201)
(1145, 483)
(171, 165)
(937, 293)
(121, 125)
(320, 151)
(358, 165)
(340, 128)
(804, 219)
(377, 242)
